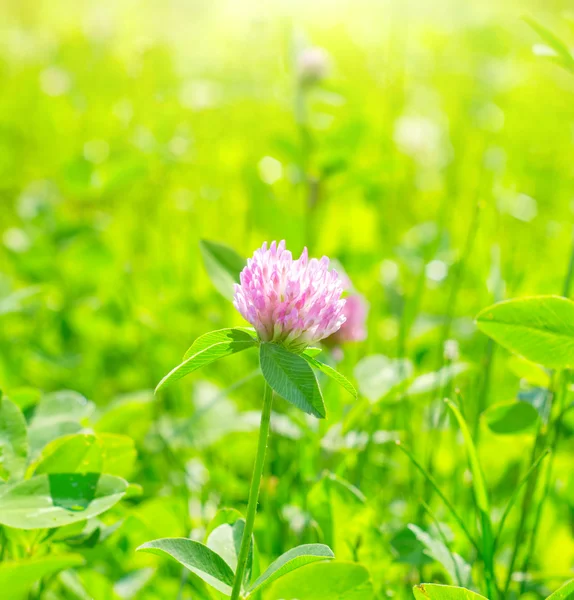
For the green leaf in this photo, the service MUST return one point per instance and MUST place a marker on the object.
(507, 418)
(332, 580)
(457, 569)
(563, 593)
(477, 476)
(435, 591)
(77, 453)
(223, 265)
(56, 499)
(292, 559)
(13, 440)
(561, 49)
(196, 557)
(332, 373)
(225, 540)
(539, 328)
(87, 453)
(224, 516)
(17, 577)
(292, 378)
(215, 337)
(212, 346)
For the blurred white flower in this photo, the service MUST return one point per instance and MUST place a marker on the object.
(313, 65)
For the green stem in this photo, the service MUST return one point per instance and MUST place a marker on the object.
(253, 493)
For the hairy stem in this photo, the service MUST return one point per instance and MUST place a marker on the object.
(253, 493)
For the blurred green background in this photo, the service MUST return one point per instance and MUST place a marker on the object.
(434, 161)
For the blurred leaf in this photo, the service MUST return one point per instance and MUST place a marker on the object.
(409, 548)
(563, 593)
(209, 348)
(332, 373)
(196, 557)
(291, 377)
(290, 561)
(223, 265)
(429, 382)
(132, 413)
(224, 516)
(458, 570)
(532, 373)
(539, 328)
(511, 417)
(324, 581)
(477, 476)
(561, 49)
(377, 375)
(17, 577)
(434, 591)
(78, 453)
(13, 440)
(58, 414)
(25, 397)
(53, 500)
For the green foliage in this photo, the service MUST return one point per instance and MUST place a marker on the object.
(223, 266)
(207, 349)
(539, 328)
(13, 440)
(291, 377)
(507, 418)
(430, 591)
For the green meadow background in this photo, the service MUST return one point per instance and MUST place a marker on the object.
(435, 162)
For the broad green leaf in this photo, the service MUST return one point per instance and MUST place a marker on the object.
(457, 569)
(378, 375)
(87, 453)
(475, 468)
(292, 378)
(223, 265)
(561, 49)
(77, 453)
(332, 373)
(507, 418)
(118, 454)
(17, 577)
(333, 580)
(290, 561)
(196, 557)
(225, 540)
(25, 397)
(429, 382)
(435, 591)
(13, 440)
(222, 343)
(563, 593)
(215, 337)
(56, 499)
(539, 328)
(532, 373)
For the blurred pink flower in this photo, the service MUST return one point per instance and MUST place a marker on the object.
(354, 328)
(294, 302)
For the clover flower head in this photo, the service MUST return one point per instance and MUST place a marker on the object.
(292, 302)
